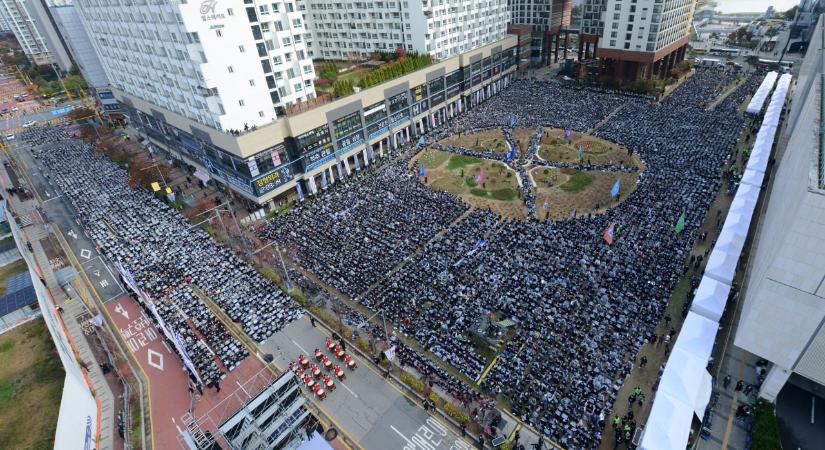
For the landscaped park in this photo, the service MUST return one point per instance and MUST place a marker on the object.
(572, 188)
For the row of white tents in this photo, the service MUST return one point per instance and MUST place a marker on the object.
(685, 387)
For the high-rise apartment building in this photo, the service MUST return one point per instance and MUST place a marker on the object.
(228, 65)
(547, 20)
(442, 28)
(636, 38)
(18, 16)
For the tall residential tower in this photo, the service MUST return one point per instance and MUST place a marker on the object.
(230, 65)
(636, 38)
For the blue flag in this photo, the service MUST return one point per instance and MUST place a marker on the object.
(421, 141)
(300, 191)
(545, 206)
(615, 190)
(512, 120)
(422, 172)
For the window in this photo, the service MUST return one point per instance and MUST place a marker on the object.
(219, 33)
(308, 83)
(250, 14)
(252, 82)
(277, 60)
(290, 73)
(230, 69)
(241, 102)
(276, 7)
(287, 42)
(263, 9)
(269, 44)
(307, 69)
(288, 57)
(298, 87)
(279, 75)
(229, 12)
(260, 113)
(282, 91)
(270, 82)
(296, 23)
(241, 49)
(266, 66)
(265, 27)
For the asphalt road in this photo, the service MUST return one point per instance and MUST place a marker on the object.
(12, 123)
(801, 418)
(58, 210)
(373, 412)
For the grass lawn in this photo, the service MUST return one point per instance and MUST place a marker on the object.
(31, 385)
(459, 175)
(577, 182)
(10, 270)
(492, 140)
(459, 161)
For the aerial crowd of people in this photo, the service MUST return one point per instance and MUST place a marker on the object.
(582, 307)
(169, 260)
(579, 307)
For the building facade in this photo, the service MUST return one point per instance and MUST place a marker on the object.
(19, 16)
(783, 310)
(79, 45)
(227, 65)
(54, 39)
(307, 151)
(549, 21)
(638, 38)
(353, 30)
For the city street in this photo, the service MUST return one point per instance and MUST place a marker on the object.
(15, 123)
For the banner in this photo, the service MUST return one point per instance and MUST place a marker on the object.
(173, 337)
(390, 353)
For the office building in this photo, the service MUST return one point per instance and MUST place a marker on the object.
(227, 67)
(638, 38)
(19, 16)
(305, 149)
(783, 310)
(353, 30)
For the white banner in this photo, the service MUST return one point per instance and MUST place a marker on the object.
(390, 353)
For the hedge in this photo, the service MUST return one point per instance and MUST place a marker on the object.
(765, 428)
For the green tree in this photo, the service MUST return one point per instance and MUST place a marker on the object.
(74, 70)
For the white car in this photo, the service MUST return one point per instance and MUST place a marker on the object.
(9, 137)
(29, 124)
(14, 109)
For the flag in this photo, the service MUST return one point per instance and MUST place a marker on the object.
(568, 133)
(371, 153)
(324, 180)
(680, 224)
(545, 206)
(340, 172)
(421, 142)
(155, 186)
(574, 213)
(512, 120)
(300, 191)
(390, 353)
(608, 234)
(422, 172)
(480, 176)
(615, 190)
(357, 163)
(580, 153)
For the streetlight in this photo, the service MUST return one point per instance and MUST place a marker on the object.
(281, 258)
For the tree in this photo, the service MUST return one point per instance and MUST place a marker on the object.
(74, 83)
(401, 52)
(80, 113)
(74, 70)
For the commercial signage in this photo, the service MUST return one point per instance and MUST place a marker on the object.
(253, 167)
(106, 95)
(318, 154)
(476, 79)
(418, 93)
(346, 125)
(453, 90)
(437, 98)
(276, 157)
(273, 180)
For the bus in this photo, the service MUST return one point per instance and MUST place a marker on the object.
(764, 64)
(726, 52)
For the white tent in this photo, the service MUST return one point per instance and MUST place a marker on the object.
(685, 378)
(745, 200)
(722, 265)
(736, 222)
(668, 426)
(732, 238)
(697, 336)
(710, 299)
(753, 177)
(758, 99)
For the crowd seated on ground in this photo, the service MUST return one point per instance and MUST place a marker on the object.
(581, 305)
(168, 258)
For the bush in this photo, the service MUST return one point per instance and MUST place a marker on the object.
(458, 414)
(765, 428)
(402, 66)
(413, 382)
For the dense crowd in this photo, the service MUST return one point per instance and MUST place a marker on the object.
(168, 259)
(580, 306)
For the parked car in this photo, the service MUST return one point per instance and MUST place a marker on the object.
(29, 124)
(9, 137)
